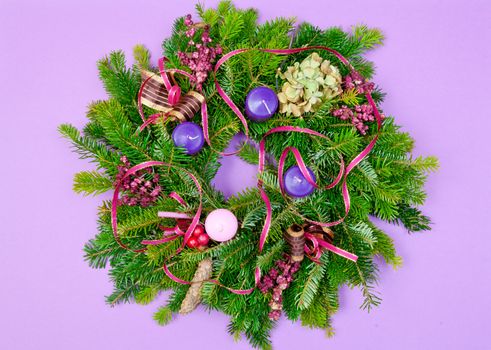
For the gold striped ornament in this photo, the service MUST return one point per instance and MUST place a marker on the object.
(155, 95)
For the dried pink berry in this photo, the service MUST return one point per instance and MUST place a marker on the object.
(200, 60)
(139, 191)
(277, 280)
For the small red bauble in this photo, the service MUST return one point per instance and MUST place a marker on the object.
(183, 224)
(203, 239)
(198, 230)
(192, 242)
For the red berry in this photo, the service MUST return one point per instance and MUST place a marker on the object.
(203, 239)
(183, 224)
(198, 230)
(192, 242)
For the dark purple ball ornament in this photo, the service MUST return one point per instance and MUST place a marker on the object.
(296, 185)
(189, 136)
(261, 103)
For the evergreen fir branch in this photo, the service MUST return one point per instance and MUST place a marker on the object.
(350, 98)
(413, 219)
(316, 315)
(370, 176)
(142, 57)
(163, 315)
(365, 232)
(310, 286)
(231, 27)
(95, 131)
(175, 300)
(146, 295)
(139, 224)
(91, 182)
(101, 249)
(368, 38)
(157, 254)
(119, 81)
(384, 247)
(266, 260)
(249, 153)
(363, 273)
(424, 164)
(88, 148)
(209, 16)
(122, 295)
(371, 298)
(119, 130)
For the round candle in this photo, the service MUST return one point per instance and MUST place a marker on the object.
(189, 136)
(261, 103)
(296, 185)
(221, 225)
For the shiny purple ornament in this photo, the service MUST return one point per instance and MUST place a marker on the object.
(189, 136)
(261, 103)
(296, 185)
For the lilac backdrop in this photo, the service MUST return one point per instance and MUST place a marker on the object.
(435, 67)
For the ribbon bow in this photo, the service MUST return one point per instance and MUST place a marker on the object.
(163, 94)
(315, 250)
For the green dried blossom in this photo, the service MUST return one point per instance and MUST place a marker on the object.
(308, 84)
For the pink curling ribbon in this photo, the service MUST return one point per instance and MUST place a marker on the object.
(228, 101)
(281, 164)
(174, 90)
(170, 233)
(315, 252)
(181, 281)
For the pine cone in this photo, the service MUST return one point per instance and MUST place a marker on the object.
(193, 296)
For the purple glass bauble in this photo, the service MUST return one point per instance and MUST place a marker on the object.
(189, 136)
(261, 103)
(296, 185)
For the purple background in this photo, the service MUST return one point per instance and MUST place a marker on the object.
(435, 67)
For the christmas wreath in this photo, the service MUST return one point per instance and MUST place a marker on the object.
(328, 160)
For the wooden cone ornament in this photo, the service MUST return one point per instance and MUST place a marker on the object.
(193, 296)
(295, 237)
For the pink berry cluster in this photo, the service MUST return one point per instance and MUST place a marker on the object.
(354, 80)
(200, 60)
(277, 280)
(139, 191)
(359, 115)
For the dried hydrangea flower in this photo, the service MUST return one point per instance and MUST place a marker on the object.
(308, 84)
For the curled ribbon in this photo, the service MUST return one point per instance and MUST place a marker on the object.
(315, 252)
(281, 164)
(174, 90)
